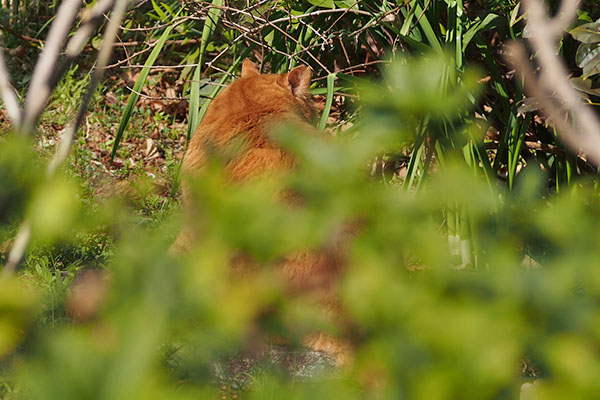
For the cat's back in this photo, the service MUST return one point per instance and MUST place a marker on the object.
(246, 108)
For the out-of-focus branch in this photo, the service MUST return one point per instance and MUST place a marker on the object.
(11, 103)
(91, 19)
(18, 250)
(584, 134)
(48, 71)
(565, 15)
(39, 89)
(521, 62)
(22, 239)
(25, 38)
(103, 57)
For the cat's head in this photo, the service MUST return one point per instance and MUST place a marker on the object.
(293, 86)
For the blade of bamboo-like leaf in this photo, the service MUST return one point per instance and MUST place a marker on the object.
(159, 10)
(489, 22)
(408, 18)
(514, 147)
(430, 150)
(428, 30)
(453, 237)
(167, 7)
(319, 91)
(210, 24)
(206, 103)
(221, 82)
(479, 156)
(459, 34)
(194, 100)
(139, 83)
(415, 157)
(328, 101)
(415, 44)
(466, 248)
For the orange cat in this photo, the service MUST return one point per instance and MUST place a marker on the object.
(245, 111)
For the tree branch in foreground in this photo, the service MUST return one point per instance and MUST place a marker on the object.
(582, 132)
(22, 239)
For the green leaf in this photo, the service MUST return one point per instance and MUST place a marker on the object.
(407, 20)
(194, 117)
(489, 22)
(159, 10)
(323, 3)
(585, 52)
(587, 33)
(328, 101)
(53, 211)
(585, 86)
(345, 3)
(221, 82)
(139, 83)
(212, 19)
(588, 58)
(167, 7)
(514, 15)
(430, 34)
(529, 104)
(592, 68)
(96, 42)
(194, 101)
(416, 44)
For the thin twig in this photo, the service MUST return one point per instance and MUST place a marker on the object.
(147, 97)
(150, 46)
(25, 38)
(136, 43)
(90, 21)
(129, 58)
(177, 20)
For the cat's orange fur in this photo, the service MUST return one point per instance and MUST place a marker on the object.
(245, 111)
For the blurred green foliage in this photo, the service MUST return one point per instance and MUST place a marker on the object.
(19, 172)
(428, 323)
(459, 285)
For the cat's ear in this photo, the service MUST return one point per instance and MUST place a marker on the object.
(299, 80)
(249, 68)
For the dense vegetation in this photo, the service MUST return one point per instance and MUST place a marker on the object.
(475, 270)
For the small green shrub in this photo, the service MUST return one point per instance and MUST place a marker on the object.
(429, 322)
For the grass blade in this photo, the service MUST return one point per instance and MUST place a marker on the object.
(210, 24)
(202, 111)
(328, 101)
(218, 87)
(430, 34)
(139, 83)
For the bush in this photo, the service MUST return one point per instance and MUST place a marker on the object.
(459, 284)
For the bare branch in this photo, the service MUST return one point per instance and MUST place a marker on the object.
(11, 103)
(544, 32)
(566, 14)
(18, 249)
(22, 239)
(91, 19)
(39, 89)
(25, 38)
(103, 56)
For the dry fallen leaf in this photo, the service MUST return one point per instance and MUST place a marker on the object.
(171, 93)
(151, 150)
(88, 294)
